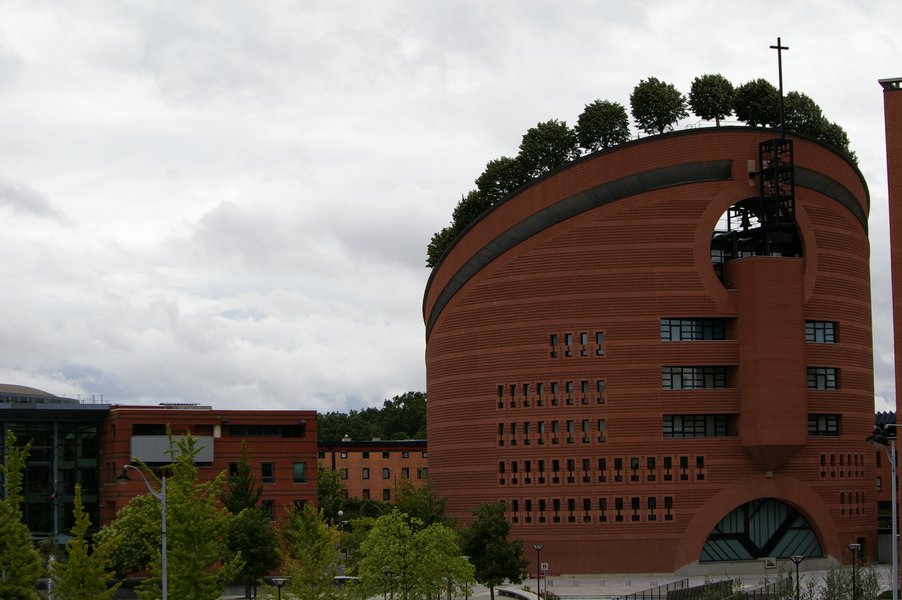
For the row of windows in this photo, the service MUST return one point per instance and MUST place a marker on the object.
(823, 425)
(693, 329)
(585, 430)
(715, 377)
(586, 392)
(268, 472)
(386, 494)
(841, 466)
(695, 426)
(589, 470)
(586, 510)
(851, 503)
(568, 349)
(366, 454)
(387, 473)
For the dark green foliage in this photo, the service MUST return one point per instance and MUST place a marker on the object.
(420, 502)
(500, 177)
(831, 133)
(251, 535)
(656, 106)
(602, 124)
(19, 560)
(241, 489)
(802, 115)
(312, 553)
(468, 209)
(546, 147)
(440, 242)
(402, 417)
(132, 538)
(711, 97)
(757, 103)
(485, 541)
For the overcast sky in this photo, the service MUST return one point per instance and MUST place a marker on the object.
(228, 202)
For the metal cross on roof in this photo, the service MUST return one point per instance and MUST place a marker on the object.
(780, 48)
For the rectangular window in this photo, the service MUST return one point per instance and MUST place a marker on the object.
(405, 454)
(366, 473)
(682, 330)
(343, 454)
(366, 494)
(601, 430)
(693, 378)
(386, 454)
(600, 387)
(599, 343)
(822, 378)
(269, 509)
(386, 495)
(553, 342)
(584, 344)
(568, 344)
(695, 426)
(233, 469)
(823, 425)
(820, 332)
(365, 454)
(344, 473)
(386, 473)
(267, 472)
(300, 472)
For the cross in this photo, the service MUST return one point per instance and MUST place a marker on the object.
(780, 48)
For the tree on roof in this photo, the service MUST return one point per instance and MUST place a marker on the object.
(656, 105)
(711, 97)
(602, 124)
(757, 102)
(547, 146)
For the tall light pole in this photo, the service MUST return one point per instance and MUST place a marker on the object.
(161, 496)
(855, 549)
(797, 560)
(882, 439)
(538, 548)
(278, 582)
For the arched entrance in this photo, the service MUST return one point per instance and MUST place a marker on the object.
(764, 527)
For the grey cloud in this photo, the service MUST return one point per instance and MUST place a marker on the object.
(22, 198)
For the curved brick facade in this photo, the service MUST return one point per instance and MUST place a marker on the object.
(547, 371)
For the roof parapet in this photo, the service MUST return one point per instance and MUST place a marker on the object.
(891, 84)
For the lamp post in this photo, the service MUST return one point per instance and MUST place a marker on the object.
(797, 560)
(278, 582)
(882, 439)
(538, 548)
(854, 548)
(161, 496)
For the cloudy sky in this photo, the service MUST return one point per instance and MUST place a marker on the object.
(228, 202)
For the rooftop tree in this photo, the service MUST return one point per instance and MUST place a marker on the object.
(757, 103)
(711, 97)
(656, 105)
(546, 147)
(602, 124)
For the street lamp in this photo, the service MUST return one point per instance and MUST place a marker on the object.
(538, 548)
(161, 496)
(797, 560)
(855, 549)
(278, 582)
(882, 439)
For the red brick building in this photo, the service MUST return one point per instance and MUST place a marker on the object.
(281, 446)
(659, 357)
(374, 469)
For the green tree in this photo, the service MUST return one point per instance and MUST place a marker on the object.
(330, 493)
(500, 177)
(441, 241)
(404, 417)
(199, 563)
(602, 124)
(711, 97)
(402, 557)
(757, 103)
(833, 134)
(84, 575)
(19, 560)
(252, 538)
(546, 147)
(312, 553)
(241, 489)
(130, 540)
(656, 106)
(495, 558)
(420, 502)
(802, 115)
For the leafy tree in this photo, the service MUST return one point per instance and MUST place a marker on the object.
(330, 493)
(198, 559)
(441, 241)
(711, 97)
(130, 540)
(802, 115)
(757, 103)
(421, 502)
(656, 105)
(831, 133)
(402, 417)
(602, 124)
(500, 177)
(495, 558)
(411, 561)
(546, 147)
(312, 553)
(84, 575)
(19, 560)
(252, 538)
(241, 489)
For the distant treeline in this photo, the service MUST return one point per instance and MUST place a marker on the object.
(402, 417)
